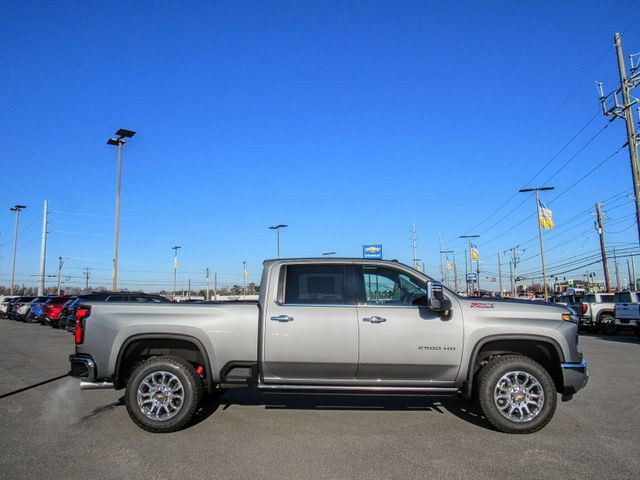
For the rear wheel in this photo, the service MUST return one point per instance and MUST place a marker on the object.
(516, 394)
(163, 393)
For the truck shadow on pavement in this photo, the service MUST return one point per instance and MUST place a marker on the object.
(35, 385)
(441, 405)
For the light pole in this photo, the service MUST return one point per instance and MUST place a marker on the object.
(244, 279)
(17, 209)
(175, 268)
(544, 270)
(471, 292)
(277, 229)
(60, 264)
(119, 142)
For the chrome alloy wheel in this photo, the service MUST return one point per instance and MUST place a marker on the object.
(160, 395)
(519, 396)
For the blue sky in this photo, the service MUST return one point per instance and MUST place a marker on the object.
(349, 121)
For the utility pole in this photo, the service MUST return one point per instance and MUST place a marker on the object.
(470, 280)
(415, 258)
(16, 209)
(603, 250)
(206, 275)
(87, 274)
(175, 268)
(623, 110)
(500, 273)
(118, 141)
(615, 260)
(43, 250)
(633, 270)
(538, 219)
(513, 264)
(60, 263)
(189, 294)
(215, 286)
(629, 273)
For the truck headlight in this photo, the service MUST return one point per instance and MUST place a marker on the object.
(569, 317)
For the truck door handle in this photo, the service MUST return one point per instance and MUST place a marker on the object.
(282, 318)
(374, 319)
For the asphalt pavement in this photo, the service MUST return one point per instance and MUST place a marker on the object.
(49, 429)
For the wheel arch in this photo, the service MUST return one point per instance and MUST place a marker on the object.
(145, 345)
(602, 313)
(544, 350)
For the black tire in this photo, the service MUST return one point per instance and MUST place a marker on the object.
(608, 325)
(488, 380)
(192, 391)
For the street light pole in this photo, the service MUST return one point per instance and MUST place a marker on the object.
(277, 229)
(118, 141)
(471, 292)
(544, 270)
(175, 268)
(16, 209)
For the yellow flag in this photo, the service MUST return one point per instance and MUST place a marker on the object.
(546, 217)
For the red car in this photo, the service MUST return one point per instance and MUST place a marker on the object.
(52, 310)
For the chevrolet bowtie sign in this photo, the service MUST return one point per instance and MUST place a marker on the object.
(372, 251)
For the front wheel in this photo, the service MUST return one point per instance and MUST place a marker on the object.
(163, 394)
(516, 394)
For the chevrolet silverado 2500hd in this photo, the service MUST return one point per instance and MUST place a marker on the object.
(335, 325)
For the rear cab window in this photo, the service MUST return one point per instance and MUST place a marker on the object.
(317, 285)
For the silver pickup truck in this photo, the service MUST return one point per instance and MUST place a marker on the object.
(335, 325)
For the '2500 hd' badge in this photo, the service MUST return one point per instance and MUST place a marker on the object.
(481, 305)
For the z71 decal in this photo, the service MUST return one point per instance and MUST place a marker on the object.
(481, 305)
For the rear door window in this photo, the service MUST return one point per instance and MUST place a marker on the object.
(317, 285)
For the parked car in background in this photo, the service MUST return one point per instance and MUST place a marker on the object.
(10, 306)
(21, 307)
(52, 309)
(5, 300)
(36, 309)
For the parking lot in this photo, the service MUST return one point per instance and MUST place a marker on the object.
(50, 429)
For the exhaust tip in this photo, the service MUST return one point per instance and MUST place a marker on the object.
(85, 385)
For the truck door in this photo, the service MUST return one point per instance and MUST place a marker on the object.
(311, 325)
(399, 340)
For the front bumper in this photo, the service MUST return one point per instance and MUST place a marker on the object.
(575, 377)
